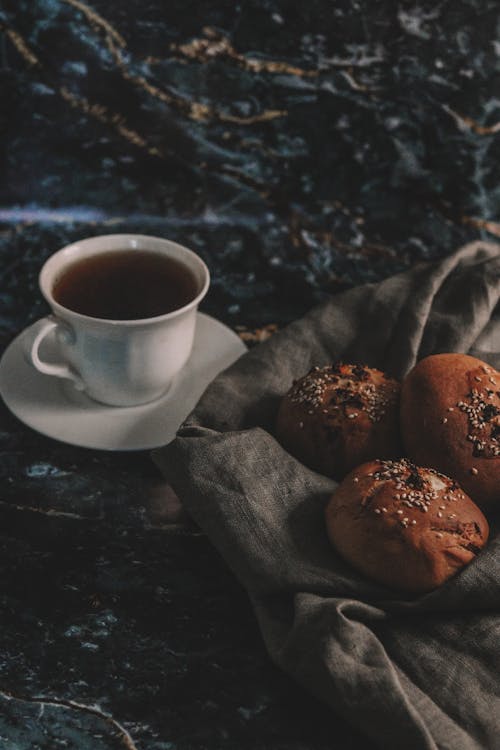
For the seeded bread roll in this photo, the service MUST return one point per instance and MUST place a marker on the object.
(450, 420)
(337, 417)
(403, 526)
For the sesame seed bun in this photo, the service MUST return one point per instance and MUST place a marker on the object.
(403, 526)
(450, 420)
(339, 416)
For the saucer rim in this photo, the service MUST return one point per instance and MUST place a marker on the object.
(15, 350)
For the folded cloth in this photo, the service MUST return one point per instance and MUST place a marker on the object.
(410, 673)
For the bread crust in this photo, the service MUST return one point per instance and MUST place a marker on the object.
(403, 526)
(339, 416)
(450, 420)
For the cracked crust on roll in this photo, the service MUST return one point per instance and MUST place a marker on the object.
(339, 416)
(450, 420)
(403, 526)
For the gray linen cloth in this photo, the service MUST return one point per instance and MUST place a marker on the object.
(410, 673)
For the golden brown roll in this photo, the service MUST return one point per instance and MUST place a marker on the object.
(403, 526)
(336, 417)
(450, 419)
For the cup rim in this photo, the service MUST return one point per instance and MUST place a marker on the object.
(88, 242)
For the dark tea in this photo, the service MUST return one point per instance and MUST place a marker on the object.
(125, 285)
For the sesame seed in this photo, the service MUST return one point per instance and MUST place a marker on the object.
(474, 471)
(337, 383)
(413, 523)
(439, 536)
(476, 377)
(399, 512)
(356, 479)
(384, 510)
(442, 507)
(301, 425)
(439, 514)
(377, 511)
(450, 408)
(444, 420)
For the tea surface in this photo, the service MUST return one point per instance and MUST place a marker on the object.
(125, 285)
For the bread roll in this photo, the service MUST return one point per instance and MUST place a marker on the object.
(450, 419)
(336, 417)
(405, 527)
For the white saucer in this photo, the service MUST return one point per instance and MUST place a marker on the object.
(53, 407)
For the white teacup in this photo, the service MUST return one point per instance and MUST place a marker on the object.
(119, 362)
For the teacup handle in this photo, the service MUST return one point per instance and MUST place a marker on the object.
(48, 325)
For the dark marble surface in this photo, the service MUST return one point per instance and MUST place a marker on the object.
(300, 148)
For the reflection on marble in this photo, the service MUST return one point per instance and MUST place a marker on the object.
(300, 149)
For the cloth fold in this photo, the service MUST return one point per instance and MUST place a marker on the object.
(413, 673)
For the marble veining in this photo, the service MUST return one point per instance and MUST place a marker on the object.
(300, 149)
(336, 144)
